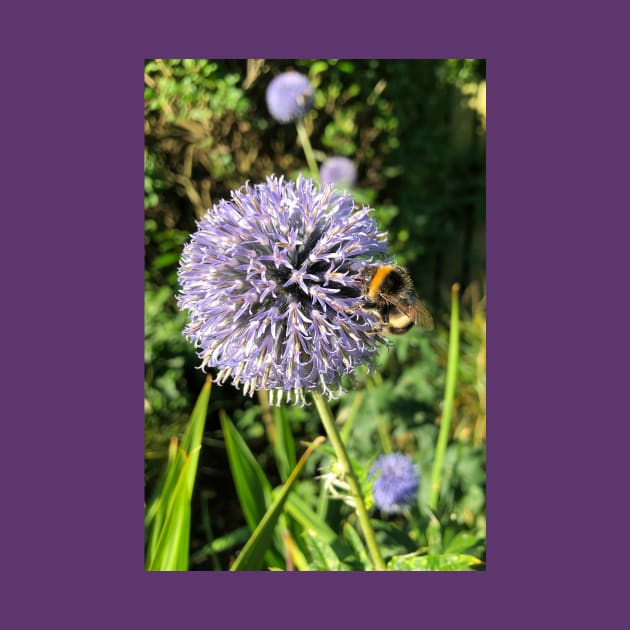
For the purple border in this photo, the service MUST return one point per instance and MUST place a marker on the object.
(75, 180)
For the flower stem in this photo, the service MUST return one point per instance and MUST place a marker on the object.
(333, 435)
(449, 396)
(267, 415)
(307, 148)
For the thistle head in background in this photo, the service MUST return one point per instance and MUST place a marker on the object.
(338, 171)
(397, 483)
(271, 282)
(289, 96)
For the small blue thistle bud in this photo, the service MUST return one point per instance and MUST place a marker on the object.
(289, 97)
(397, 483)
(338, 171)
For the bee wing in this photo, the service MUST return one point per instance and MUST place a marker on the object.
(423, 317)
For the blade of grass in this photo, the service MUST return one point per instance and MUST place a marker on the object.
(300, 511)
(352, 536)
(171, 549)
(295, 557)
(252, 486)
(449, 396)
(218, 545)
(154, 517)
(167, 520)
(253, 489)
(207, 528)
(284, 445)
(252, 554)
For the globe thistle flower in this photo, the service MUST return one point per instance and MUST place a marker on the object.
(271, 282)
(397, 484)
(289, 97)
(338, 171)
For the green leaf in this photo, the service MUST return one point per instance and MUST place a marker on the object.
(462, 542)
(167, 519)
(233, 538)
(284, 444)
(434, 562)
(393, 539)
(164, 260)
(252, 486)
(352, 536)
(171, 545)
(252, 554)
(434, 535)
(323, 555)
(346, 66)
(317, 67)
(300, 511)
(292, 550)
(310, 521)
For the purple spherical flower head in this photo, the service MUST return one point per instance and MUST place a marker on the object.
(338, 171)
(271, 283)
(397, 484)
(289, 96)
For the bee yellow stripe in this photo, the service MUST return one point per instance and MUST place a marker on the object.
(377, 280)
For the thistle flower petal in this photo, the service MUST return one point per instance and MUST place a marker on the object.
(271, 282)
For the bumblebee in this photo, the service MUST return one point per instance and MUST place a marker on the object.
(389, 293)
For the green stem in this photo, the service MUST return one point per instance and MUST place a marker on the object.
(449, 396)
(333, 435)
(307, 148)
(346, 429)
(383, 434)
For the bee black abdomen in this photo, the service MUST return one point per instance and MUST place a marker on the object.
(393, 284)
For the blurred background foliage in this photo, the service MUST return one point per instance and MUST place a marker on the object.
(416, 131)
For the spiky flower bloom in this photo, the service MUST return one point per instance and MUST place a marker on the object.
(338, 171)
(271, 282)
(397, 483)
(289, 96)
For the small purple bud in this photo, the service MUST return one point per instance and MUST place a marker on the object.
(397, 483)
(338, 171)
(289, 97)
